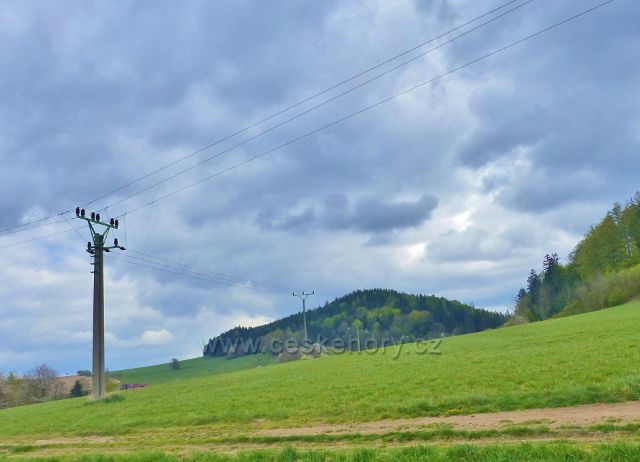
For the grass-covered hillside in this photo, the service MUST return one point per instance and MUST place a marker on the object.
(586, 358)
(190, 369)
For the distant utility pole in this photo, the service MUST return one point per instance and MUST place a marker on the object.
(97, 250)
(303, 296)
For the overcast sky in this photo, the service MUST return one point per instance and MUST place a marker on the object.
(457, 188)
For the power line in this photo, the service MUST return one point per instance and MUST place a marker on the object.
(301, 102)
(186, 270)
(74, 229)
(38, 238)
(218, 277)
(124, 220)
(188, 274)
(312, 108)
(275, 114)
(4, 232)
(214, 273)
(379, 103)
(306, 135)
(41, 225)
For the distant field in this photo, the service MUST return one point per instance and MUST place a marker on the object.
(593, 357)
(191, 368)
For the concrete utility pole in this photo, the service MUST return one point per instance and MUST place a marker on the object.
(97, 250)
(303, 296)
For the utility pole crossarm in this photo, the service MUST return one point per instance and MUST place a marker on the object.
(97, 249)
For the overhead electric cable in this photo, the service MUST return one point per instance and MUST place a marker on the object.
(379, 103)
(38, 238)
(277, 113)
(28, 228)
(309, 110)
(220, 278)
(199, 276)
(302, 101)
(3, 232)
(213, 273)
(74, 229)
(306, 135)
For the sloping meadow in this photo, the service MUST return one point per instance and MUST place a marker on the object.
(581, 359)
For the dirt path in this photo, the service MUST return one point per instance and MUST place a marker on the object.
(581, 416)
(571, 423)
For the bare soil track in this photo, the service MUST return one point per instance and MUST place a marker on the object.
(568, 423)
(579, 416)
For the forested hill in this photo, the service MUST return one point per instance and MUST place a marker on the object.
(378, 314)
(602, 271)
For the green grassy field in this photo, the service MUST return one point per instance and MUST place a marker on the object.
(191, 368)
(593, 357)
(549, 452)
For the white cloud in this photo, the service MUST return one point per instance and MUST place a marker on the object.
(156, 337)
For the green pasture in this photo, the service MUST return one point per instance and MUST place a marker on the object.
(592, 357)
(191, 368)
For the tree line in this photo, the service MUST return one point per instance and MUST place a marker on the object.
(602, 271)
(38, 385)
(382, 315)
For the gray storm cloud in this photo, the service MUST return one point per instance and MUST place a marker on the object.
(462, 185)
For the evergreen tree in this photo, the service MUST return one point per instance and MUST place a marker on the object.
(602, 269)
(77, 390)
